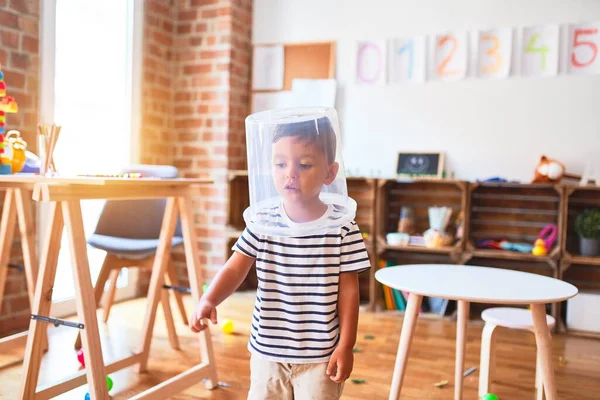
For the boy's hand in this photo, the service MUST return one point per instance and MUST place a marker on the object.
(205, 309)
(340, 364)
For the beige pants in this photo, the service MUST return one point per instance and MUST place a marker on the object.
(281, 381)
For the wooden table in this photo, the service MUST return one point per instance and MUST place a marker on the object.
(467, 284)
(65, 195)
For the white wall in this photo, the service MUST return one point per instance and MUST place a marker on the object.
(487, 128)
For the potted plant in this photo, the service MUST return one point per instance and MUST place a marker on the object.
(587, 226)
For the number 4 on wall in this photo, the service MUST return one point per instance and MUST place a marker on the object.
(584, 42)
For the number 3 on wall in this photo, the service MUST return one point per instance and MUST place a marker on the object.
(496, 65)
(584, 48)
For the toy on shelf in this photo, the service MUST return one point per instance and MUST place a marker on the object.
(539, 248)
(550, 170)
(436, 235)
(548, 235)
(7, 105)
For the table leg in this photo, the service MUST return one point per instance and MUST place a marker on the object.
(408, 328)
(85, 301)
(30, 261)
(461, 335)
(544, 348)
(157, 278)
(196, 278)
(7, 231)
(41, 303)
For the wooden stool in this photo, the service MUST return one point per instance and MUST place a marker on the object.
(508, 317)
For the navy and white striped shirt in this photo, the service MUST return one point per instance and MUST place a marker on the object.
(295, 316)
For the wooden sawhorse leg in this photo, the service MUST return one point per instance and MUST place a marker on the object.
(207, 368)
(84, 296)
(17, 202)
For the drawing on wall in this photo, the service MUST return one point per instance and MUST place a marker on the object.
(371, 63)
(539, 55)
(584, 42)
(267, 67)
(407, 59)
(451, 56)
(494, 53)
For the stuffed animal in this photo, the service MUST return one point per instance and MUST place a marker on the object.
(548, 170)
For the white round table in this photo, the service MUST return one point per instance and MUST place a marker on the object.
(467, 284)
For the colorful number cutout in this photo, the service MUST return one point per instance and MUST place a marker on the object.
(441, 69)
(585, 41)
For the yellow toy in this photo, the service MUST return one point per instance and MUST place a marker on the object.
(227, 327)
(539, 248)
(18, 145)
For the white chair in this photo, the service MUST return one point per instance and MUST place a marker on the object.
(508, 317)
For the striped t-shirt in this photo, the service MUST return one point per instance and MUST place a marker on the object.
(295, 316)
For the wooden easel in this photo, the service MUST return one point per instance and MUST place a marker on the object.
(18, 206)
(65, 211)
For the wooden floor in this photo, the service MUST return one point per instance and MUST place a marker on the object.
(432, 358)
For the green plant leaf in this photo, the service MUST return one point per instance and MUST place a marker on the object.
(587, 224)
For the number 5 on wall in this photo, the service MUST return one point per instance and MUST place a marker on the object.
(584, 42)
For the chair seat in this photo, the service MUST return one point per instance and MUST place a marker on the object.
(511, 317)
(126, 247)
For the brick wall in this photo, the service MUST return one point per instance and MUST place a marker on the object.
(19, 55)
(209, 77)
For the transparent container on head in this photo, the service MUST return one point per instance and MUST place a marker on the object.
(295, 164)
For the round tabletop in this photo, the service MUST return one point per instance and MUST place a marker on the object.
(476, 284)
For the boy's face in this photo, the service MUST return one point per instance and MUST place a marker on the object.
(300, 169)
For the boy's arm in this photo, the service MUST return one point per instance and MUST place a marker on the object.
(229, 278)
(342, 360)
(348, 305)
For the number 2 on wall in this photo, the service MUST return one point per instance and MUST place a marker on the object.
(577, 42)
(441, 69)
(543, 50)
(493, 52)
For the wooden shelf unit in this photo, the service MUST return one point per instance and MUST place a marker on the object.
(581, 271)
(419, 196)
(517, 212)
(392, 195)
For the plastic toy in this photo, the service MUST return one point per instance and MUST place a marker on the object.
(7, 105)
(80, 357)
(548, 235)
(109, 384)
(489, 396)
(539, 248)
(520, 247)
(227, 327)
(17, 147)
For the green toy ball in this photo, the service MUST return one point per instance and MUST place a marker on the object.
(489, 396)
(109, 383)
